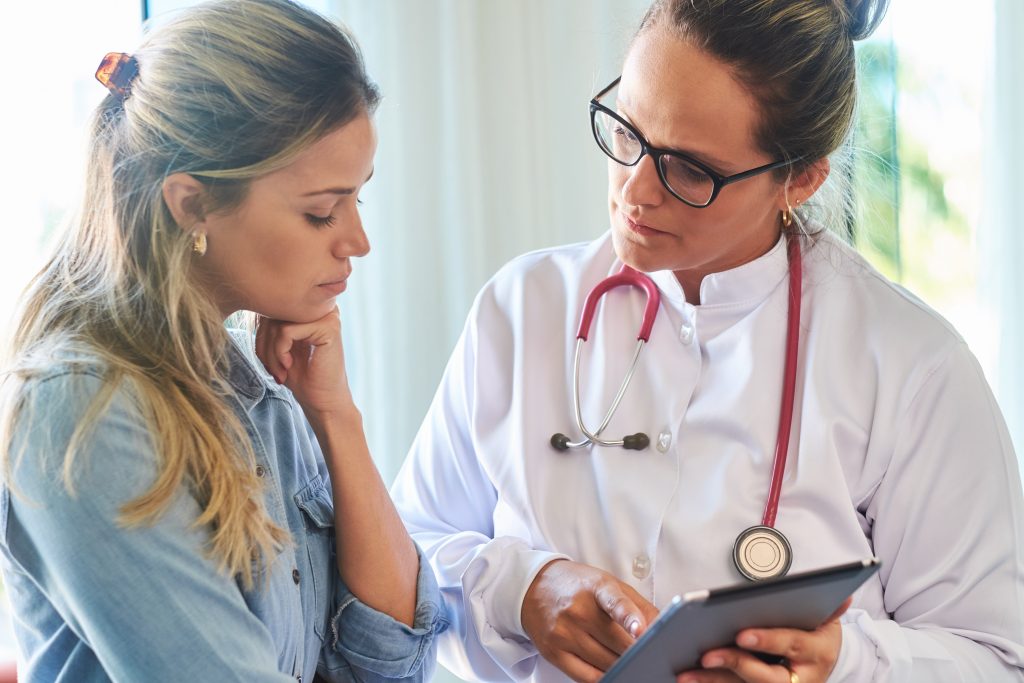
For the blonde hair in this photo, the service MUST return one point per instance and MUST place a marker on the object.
(227, 91)
(797, 58)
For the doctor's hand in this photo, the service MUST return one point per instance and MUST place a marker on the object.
(308, 359)
(810, 655)
(581, 618)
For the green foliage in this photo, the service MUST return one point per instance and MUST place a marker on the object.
(906, 224)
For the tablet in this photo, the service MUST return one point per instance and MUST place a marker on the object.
(703, 620)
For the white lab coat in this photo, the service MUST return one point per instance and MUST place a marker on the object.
(898, 451)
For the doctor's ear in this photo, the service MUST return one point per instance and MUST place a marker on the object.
(799, 187)
(184, 196)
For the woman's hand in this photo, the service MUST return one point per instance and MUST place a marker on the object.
(811, 655)
(581, 618)
(308, 358)
(377, 560)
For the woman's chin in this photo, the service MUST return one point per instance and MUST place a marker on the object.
(636, 256)
(297, 314)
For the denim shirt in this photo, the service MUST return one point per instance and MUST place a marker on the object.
(96, 601)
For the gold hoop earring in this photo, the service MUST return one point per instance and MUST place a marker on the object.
(787, 218)
(199, 243)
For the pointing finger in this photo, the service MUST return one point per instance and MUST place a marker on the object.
(623, 611)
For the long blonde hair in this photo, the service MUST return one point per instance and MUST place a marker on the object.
(227, 91)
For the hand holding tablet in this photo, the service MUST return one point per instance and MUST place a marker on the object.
(698, 622)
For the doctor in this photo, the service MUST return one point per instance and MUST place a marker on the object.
(720, 134)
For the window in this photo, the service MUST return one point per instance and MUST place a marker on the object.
(918, 176)
(44, 119)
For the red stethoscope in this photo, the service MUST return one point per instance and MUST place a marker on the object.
(761, 551)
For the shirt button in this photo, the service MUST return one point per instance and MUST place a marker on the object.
(686, 333)
(664, 441)
(641, 566)
(260, 471)
(296, 576)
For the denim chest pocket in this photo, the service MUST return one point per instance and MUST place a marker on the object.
(318, 516)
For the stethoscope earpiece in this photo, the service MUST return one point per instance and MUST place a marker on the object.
(560, 441)
(633, 442)
(636, 442)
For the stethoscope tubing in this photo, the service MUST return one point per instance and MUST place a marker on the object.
(595, 436)
(789, 383)
(625, 277)
(759, 552)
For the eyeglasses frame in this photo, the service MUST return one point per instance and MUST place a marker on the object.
(656, 153)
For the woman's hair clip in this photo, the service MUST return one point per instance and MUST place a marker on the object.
(117, 71)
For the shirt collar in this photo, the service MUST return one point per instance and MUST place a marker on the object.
(742, 287)
(248, 383)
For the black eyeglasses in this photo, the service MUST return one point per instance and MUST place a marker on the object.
(686, 178)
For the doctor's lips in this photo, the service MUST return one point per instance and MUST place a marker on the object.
(640, 228)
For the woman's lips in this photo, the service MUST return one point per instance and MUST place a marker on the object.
(640, 228)
(336, 287)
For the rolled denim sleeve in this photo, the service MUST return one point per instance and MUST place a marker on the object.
(147, 600)
(380, 648)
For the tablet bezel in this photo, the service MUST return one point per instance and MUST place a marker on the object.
(826, 585)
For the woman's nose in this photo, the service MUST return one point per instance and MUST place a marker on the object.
(352, 241)
(642, 186)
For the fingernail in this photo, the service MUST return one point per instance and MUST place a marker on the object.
(714, 662)
(747, 640)
(634, 627)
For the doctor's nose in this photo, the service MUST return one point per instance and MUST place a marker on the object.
(642, 186)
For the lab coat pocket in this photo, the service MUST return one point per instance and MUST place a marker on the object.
(318, 516)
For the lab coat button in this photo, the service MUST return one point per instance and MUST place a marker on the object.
(686, 334)
(664, 441)
(641, 566)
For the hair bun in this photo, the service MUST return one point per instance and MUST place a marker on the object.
(862, 17)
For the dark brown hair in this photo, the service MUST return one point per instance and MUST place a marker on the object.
(796, 57)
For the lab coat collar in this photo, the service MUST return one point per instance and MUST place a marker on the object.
(742, 287)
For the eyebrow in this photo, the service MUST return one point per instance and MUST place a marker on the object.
(702, 156)
(338, 190)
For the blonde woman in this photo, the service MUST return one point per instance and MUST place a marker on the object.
(180, 503)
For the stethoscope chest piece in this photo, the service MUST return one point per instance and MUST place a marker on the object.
(762, 552)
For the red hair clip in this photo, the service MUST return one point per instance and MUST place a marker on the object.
(117, 71)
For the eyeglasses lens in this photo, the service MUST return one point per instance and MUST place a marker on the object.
(686, 180)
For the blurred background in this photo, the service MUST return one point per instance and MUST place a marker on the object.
(485, 153)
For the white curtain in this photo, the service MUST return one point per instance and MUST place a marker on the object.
(1001, 240)
(485, 153)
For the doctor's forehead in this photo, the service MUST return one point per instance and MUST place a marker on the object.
(683, 97)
